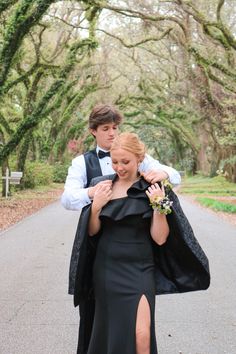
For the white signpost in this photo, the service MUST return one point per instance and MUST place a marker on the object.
(13, 178)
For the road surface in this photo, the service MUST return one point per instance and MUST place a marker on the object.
(37, 316)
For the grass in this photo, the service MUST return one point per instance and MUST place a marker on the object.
(207, 192)
(212, 191)
(206, 185)
(217, 205)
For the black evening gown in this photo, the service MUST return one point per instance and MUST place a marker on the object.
(123, 271)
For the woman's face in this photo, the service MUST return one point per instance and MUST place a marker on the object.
(125, 164)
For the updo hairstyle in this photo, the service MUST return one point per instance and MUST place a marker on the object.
(130, 142)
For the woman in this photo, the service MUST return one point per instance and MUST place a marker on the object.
(128, 253)
(123, 271)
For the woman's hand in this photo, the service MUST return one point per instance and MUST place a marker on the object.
(155, 191)
(159, 227)
(102, 196)
(92, 190)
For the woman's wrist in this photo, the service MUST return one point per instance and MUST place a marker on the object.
(161, 205)
(91, 192)
(157, 213)
(96, 209)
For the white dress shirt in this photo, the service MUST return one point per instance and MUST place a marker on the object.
(75, 195)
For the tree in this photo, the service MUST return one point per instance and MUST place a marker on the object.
(169, 66)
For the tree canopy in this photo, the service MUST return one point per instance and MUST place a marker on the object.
(169, 66)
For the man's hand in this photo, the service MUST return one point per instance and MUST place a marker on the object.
(154, 176)
(107, 183)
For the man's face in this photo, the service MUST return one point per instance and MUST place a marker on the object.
(105, 134)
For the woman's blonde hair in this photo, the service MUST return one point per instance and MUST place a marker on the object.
(130, 142)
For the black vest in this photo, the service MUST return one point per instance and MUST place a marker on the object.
(93, 168)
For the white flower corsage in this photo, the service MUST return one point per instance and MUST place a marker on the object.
(162, 204)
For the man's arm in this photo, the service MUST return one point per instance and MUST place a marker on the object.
(75, 195)
(150, 164)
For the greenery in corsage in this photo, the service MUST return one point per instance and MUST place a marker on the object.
(163, 204)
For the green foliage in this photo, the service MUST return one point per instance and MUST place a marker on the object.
(16, 29)
(226, 192)
(230, 160)
(60, 172)
(181, 105)
(5, 4)
(132, 114)
(37, 174)
(205, 185)
(217, 205)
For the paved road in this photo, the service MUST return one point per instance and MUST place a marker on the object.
(37, 315)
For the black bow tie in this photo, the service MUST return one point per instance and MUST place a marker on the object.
(102, 154)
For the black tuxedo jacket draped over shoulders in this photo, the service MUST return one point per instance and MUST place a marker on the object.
(180, 264)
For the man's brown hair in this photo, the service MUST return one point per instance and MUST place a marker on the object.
(102, 114)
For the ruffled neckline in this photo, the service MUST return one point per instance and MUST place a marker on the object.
(135, 203)
(136, 190)
(119, 198)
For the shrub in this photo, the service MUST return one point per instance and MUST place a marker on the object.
(37, 174)
(60, 172)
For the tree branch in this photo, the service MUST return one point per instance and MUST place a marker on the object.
(18, 27)
(22, 78)
(5, 4)
(137, 14)
(33, 119)
(5, 125)
(207, 62)
(148, 39)
(219, 7)
(220, 82)
(224, 36)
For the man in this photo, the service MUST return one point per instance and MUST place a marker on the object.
(104, 121)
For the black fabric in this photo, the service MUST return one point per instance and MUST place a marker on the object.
(93, 168)
(123, 272)
(180, 264)
(102, 154)
(86, 311)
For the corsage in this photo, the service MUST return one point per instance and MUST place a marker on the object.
(162, 204)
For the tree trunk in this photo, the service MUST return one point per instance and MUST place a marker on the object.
(202, 163)
(23, 152)
(4, 170)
